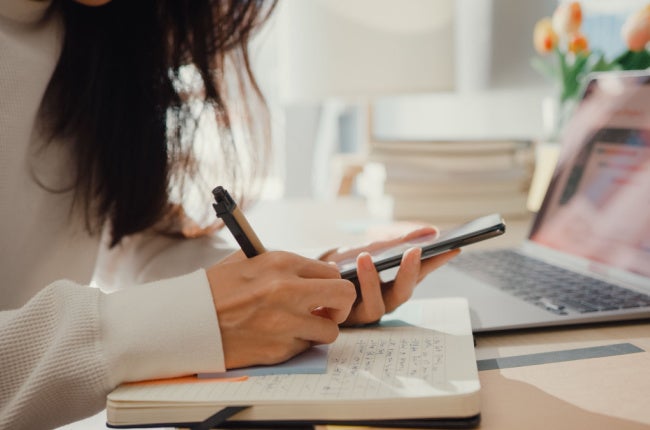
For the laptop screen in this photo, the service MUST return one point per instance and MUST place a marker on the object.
(597, 205)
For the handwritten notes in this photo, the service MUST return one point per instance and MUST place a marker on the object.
(368, 363)
(420, 364)
(397, 358)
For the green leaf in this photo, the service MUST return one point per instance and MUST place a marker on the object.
(573, 76)
(602, 65)
(633, 60)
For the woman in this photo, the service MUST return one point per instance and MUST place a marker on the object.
(98, 159)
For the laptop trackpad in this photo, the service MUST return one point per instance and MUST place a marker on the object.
(490, 308)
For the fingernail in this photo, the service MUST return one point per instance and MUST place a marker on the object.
(363, 261)
(417, 251)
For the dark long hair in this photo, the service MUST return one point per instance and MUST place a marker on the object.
(118, 97)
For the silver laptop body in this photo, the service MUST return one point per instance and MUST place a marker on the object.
(594, 222)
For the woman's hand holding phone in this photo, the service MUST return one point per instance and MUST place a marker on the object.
(377, 297)
(416, 254)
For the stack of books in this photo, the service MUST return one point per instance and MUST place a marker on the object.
(435, 181)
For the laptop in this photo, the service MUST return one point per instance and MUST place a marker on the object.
(587, 256)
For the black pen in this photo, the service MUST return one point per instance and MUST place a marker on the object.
(234, 218)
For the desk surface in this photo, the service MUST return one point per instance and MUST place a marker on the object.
(598, 393)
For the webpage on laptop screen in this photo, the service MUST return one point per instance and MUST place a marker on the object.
(598, 204)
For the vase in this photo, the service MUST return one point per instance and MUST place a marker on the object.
(555, 115)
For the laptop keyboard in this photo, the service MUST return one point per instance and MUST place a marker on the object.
(547, 286)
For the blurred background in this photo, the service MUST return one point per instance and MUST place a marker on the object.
(390, 101)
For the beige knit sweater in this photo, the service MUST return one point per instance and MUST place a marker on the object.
(64, 344)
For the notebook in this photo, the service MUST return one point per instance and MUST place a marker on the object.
(587, 256)
(415, 369)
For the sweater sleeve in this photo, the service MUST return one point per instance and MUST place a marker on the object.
(69, 346)
(53, 368)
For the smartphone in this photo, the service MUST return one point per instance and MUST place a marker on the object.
(473, 231)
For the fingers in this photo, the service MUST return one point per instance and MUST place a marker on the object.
(376, 302)
(371, 307)
(318, 330)
(287, 261)
(329, 299)
(431, 264)
(378, 299)
(273, 306)
(276, 304)
(316, 285)
(313, 330)
(423, 231)
(407, 278)
(320, 306)
(411, 272)
(346, 253)
(303, 267)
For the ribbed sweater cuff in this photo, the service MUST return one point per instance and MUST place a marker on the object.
(162, 329)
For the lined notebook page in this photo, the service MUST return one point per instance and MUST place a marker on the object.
(397, 359)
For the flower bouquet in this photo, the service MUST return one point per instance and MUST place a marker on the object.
(560, 37)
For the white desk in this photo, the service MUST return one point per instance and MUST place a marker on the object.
(598, 393)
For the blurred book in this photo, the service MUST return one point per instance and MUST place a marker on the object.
(435, 181)
(441, 209)
(470, 147)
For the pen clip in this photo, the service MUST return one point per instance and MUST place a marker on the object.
(226, 209)
(224, 202)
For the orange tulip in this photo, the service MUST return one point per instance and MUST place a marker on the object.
(567, 18)
(636, 30)
(578, 43)
(544, 37)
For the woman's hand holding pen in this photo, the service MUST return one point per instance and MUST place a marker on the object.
(277, 304)
(273, 305)
(377, 297)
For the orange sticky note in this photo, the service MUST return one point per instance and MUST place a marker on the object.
(189, 379)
